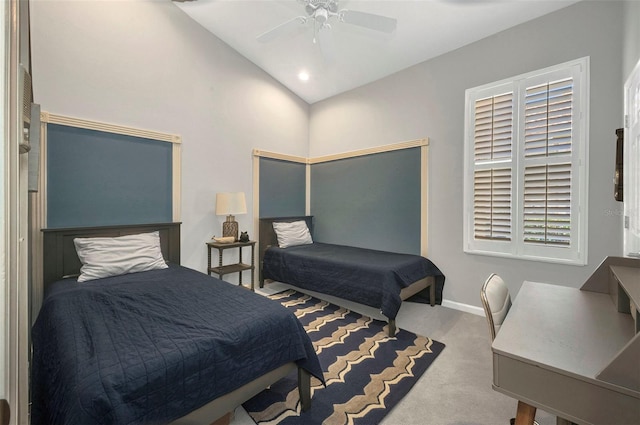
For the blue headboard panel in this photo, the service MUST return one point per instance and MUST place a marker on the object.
(97, 178)
(371, 201)
(282, 188)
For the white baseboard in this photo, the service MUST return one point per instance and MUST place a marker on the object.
(478, 311)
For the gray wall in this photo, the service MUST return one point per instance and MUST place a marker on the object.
(631, 50)
(145, 64)
(427, 100)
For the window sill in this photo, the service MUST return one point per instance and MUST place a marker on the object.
(568, 262)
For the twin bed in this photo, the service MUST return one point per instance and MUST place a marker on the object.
(374, 278)
(168, 345)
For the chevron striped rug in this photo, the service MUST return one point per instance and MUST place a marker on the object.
(366, 371)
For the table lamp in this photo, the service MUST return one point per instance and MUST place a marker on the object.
(229, 203)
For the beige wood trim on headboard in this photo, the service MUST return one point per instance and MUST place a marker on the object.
(370, 151)
(50, 118)
(424, 200)
(307, 190)
(280, 156)
(176, 179)
(256, 203)
(350, 154)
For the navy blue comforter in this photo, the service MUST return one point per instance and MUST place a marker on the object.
(369, 277)
(150, 347)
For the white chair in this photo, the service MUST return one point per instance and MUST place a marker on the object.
(496, 302)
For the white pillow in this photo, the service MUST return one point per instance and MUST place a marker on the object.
(104, 257)
(292, 234)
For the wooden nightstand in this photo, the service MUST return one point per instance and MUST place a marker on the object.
(238, 267)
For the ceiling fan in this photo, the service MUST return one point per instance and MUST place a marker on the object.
(321, 12)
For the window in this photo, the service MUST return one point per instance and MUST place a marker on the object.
(526, 165)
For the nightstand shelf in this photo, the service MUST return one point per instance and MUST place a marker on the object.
(230, 268)
(239, 267)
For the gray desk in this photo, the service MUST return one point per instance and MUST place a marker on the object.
(575, 352)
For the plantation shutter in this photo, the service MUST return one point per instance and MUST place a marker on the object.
(548, 123)
(493, 138)
(492, 204)
(493, 127)
(547, 204)
(548, 119)
(526, 156)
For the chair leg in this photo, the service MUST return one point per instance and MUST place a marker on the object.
(512, 421)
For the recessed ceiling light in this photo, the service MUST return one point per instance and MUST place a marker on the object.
(303, 75)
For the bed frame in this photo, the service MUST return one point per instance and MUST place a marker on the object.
(268, 238)
(59, 253)
(61, 260)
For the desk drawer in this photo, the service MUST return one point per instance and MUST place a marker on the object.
(581, 401)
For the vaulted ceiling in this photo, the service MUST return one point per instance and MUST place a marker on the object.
(347, 55)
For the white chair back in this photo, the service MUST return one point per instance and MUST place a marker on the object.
(496, 302)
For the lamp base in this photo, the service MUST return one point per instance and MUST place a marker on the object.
(230, 228)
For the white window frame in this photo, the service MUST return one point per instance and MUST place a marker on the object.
(576, 252)
(631, 174)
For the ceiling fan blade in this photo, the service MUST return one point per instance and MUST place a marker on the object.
(282, 29)
(369, 20)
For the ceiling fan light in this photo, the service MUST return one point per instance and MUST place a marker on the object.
(321, 15)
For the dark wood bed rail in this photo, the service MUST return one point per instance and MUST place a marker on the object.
(267, 236)
(59, 253)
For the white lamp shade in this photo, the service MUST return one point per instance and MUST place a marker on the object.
(229, 203)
